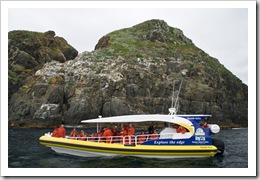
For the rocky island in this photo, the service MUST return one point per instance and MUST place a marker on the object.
(131, 71)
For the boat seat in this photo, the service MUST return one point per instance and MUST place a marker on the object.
(171, 133)
(167, 133)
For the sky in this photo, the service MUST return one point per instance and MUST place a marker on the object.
(220, 32)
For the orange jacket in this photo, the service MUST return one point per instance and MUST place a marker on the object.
(123, 133)
(131, 131)
(205, 125)
(181, 130)
(141, 138)
(55, 133)
(154, 136)
(74, 133)
(83, 136)
(108, 133)
(93, 137)
(61, 132)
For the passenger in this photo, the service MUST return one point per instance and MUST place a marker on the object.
(100, 135)
(125, 127)
(154, 135)
(93, 137)
(142, 138)
(181, 129)
(205, 125)
(108, 134)
(151, 128)
(74, 134)
(123, 133)
(61, 131)
(83, 135)
(116, 133)
(131, 130)
(131, 133)
(55, 133)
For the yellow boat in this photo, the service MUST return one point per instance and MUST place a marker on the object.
(195, 142)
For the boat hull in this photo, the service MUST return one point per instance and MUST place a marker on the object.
(96, 149)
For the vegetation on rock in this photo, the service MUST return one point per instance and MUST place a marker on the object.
(28, 51)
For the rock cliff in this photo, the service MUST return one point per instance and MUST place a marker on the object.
(131, 71)
(29, 51)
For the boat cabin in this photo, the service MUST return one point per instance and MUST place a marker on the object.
(170, 125)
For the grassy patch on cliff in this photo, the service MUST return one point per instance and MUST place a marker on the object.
(22, 35)
(132, 44)
(12, 75)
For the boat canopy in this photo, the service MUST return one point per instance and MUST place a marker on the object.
(147, 118)
(183, 120)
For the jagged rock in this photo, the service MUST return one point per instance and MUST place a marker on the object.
(29, 51)
(131, 72)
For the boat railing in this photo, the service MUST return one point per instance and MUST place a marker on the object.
(130, 139)
(126, 140)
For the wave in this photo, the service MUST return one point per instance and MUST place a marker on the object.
(238, 128)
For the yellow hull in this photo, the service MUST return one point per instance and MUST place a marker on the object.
(90, 149)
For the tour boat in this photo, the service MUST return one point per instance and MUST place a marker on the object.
(196, 142)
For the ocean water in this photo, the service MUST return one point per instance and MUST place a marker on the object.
(25, 151)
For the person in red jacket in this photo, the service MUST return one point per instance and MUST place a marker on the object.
(100, 135)
(61, 131)
(83, 135)
(142, 138)
(131, 130)
(205, 125)
(55, 133)
(116, 135)
(154, 135)
(123, 133)
(74, 134)
(108, 134)
(131, 133)
(181, 129)
(93, 137)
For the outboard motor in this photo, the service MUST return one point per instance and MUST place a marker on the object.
(214, 128)
(219, 145)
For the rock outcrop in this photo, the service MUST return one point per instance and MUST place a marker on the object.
(131, 71)
(29, 51)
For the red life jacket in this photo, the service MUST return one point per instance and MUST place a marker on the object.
(55, 133)
(154, 136)
(123, 133)
(181, 130)
(141, 138)
(131, 131)
(108, 134)
(74, 133)
(61, 132)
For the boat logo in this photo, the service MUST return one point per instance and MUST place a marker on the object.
(200, 135)
(200, 132)
(200, 138)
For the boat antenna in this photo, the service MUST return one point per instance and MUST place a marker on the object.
(177, 99)
(173, 93)
(174, 109)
